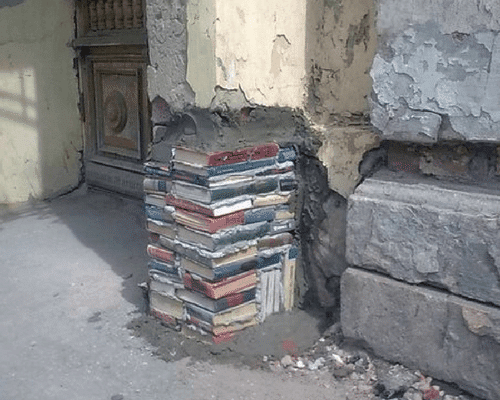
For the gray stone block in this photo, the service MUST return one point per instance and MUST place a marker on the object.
(451, 339)
(448, 237)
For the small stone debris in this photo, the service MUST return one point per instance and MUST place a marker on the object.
(376, 378)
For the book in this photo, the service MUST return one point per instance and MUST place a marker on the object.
(215, 274)
(279, 226)
(157, 185)
(160, 253)
(216, 305)
(168, 269)
(157, 200)
(271, 199)
(164, 214)
(217, 158)
(283, 160)
(195, 333)
(211, 259)
(225, 237)
(201, 194)
(222, 288)
(164, 288)
(218, 330)
(157, 169)
(272, 241)
(165, 318)
(215, 209)
(208, 224)
(161, 228)
(289, 268)
(269, 292)
(167, 305)
(238, 313)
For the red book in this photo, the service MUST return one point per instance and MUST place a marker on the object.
(223, 288)
(207, 224)
(216, 158)
(160, 253)
(214, 210)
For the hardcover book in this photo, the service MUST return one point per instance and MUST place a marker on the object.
(239, 313)
(160, 253)
(164, 214)
(225, 237)
(193, 332)
(218, 330)
(157, 169)
(167, 268)
(162, 185)
(205, 195)
(215, 209)
(216, 158)
(161, 228)
(216, 305)
(167, 305)
(222, 288)
(157, 200)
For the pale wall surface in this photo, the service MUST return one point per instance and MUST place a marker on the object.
(258, 46)
(40, 131)
(438, 61)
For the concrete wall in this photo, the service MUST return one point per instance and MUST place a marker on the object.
(40, 131)
(437, 71)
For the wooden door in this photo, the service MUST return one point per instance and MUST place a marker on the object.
(111, 42)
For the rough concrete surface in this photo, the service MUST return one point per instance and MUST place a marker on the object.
(420, 232)
(453, 339)
(72, 317)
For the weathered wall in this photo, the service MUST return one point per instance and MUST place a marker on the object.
(257, 46)
(40, 131)
(437, 71)
(341, 42)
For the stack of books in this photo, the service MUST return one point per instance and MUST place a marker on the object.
(227, 226)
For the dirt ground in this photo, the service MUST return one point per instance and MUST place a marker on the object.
(290, 356)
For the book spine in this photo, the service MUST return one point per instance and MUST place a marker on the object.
(157, 185)
(275, 241)
(239, 235)
(264, 186)
(191, 178)
(234, 300)
(227, 271)
(188, 205)
(158, 213)
(161, 254)
(210, 225)
(268, 261)
(287, 154)
(200, 313)
(259, 152)
(149, 170)
(169, 320)
(239, 167)
(163, 267)
(259, 215)
(197, 285)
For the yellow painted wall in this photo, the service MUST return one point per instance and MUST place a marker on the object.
(40, 130)
(258, 46)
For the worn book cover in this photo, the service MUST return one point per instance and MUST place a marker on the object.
(218, 330)
(216, 209)
(164, 304)
(238, 236)
(163, 228)
(239, 313)
(213, 305)
(162, 185)
(160, 253)
(222, 288)
(205, 195)
(164, 214)
(223, 157)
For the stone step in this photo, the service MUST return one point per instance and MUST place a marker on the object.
(442, 335)
(445, 236)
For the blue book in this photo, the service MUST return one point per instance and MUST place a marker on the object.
(259, 214)
(287, 154)
(163, 267)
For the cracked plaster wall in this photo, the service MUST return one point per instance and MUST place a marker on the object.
(40, 130)
(341, 43)
(437, 71)
(255, 46)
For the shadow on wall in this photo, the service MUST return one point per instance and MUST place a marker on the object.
(40, 130)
